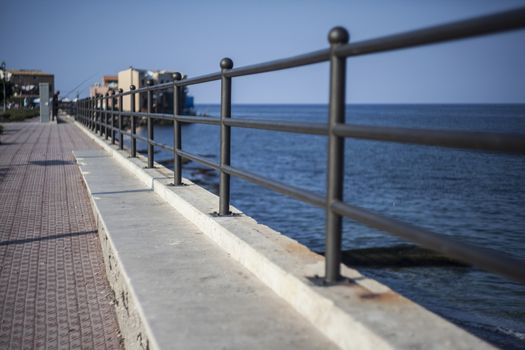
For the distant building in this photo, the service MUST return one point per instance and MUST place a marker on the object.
(137, 77)
(162, 100)
(25, 84)
(108, 82)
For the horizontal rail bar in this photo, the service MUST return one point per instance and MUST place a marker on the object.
(284, 63)
(200, 79)
(138, 137)
(152, 88)
(305, 128)
(131, 114)
(197, 120)
(143, 89)
(125, 114)
(497, 142)
(124, 93)
(291, 191)
(488, 259)
(169, 116)
(500, 142)
(165, 116)
(134, 136)
(276, 125)
(491, 24)
(197, 159)
(161, 145)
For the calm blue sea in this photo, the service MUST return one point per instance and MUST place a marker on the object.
(476, 196)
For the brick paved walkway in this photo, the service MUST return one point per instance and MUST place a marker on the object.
(53, 288)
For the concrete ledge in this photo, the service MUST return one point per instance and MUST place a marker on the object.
(135, 331)
(174, 287)
(358, 314)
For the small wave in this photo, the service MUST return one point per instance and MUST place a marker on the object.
(511, 332)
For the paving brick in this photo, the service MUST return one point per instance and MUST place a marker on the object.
(53, 288)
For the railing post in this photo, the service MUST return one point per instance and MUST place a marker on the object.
(106, 115)
(97, 107)
(89, 121)
(177, 135)
(91, 115)
(150, 126)
(133, 148)
(112, 116)
(120, 109)
(226, 108)
(96, 113)
(336, 147)
(103, 113)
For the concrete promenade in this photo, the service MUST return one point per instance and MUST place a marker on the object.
(53, 288)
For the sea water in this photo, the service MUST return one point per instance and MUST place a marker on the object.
(478, 197)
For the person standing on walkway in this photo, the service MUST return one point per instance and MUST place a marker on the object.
(55, 104)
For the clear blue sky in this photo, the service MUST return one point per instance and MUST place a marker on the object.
(76, 40)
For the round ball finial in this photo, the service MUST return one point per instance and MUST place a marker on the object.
(149, 82)
(132, 87)
(112, 92)
(120, 90)
(107, 94)
(338, 35)
(226, 63)
(177, 76)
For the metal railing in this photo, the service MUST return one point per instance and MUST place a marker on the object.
(92, 113)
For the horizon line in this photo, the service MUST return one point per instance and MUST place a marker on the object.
(362, 103)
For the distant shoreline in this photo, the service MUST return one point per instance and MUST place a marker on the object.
(368, 104)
